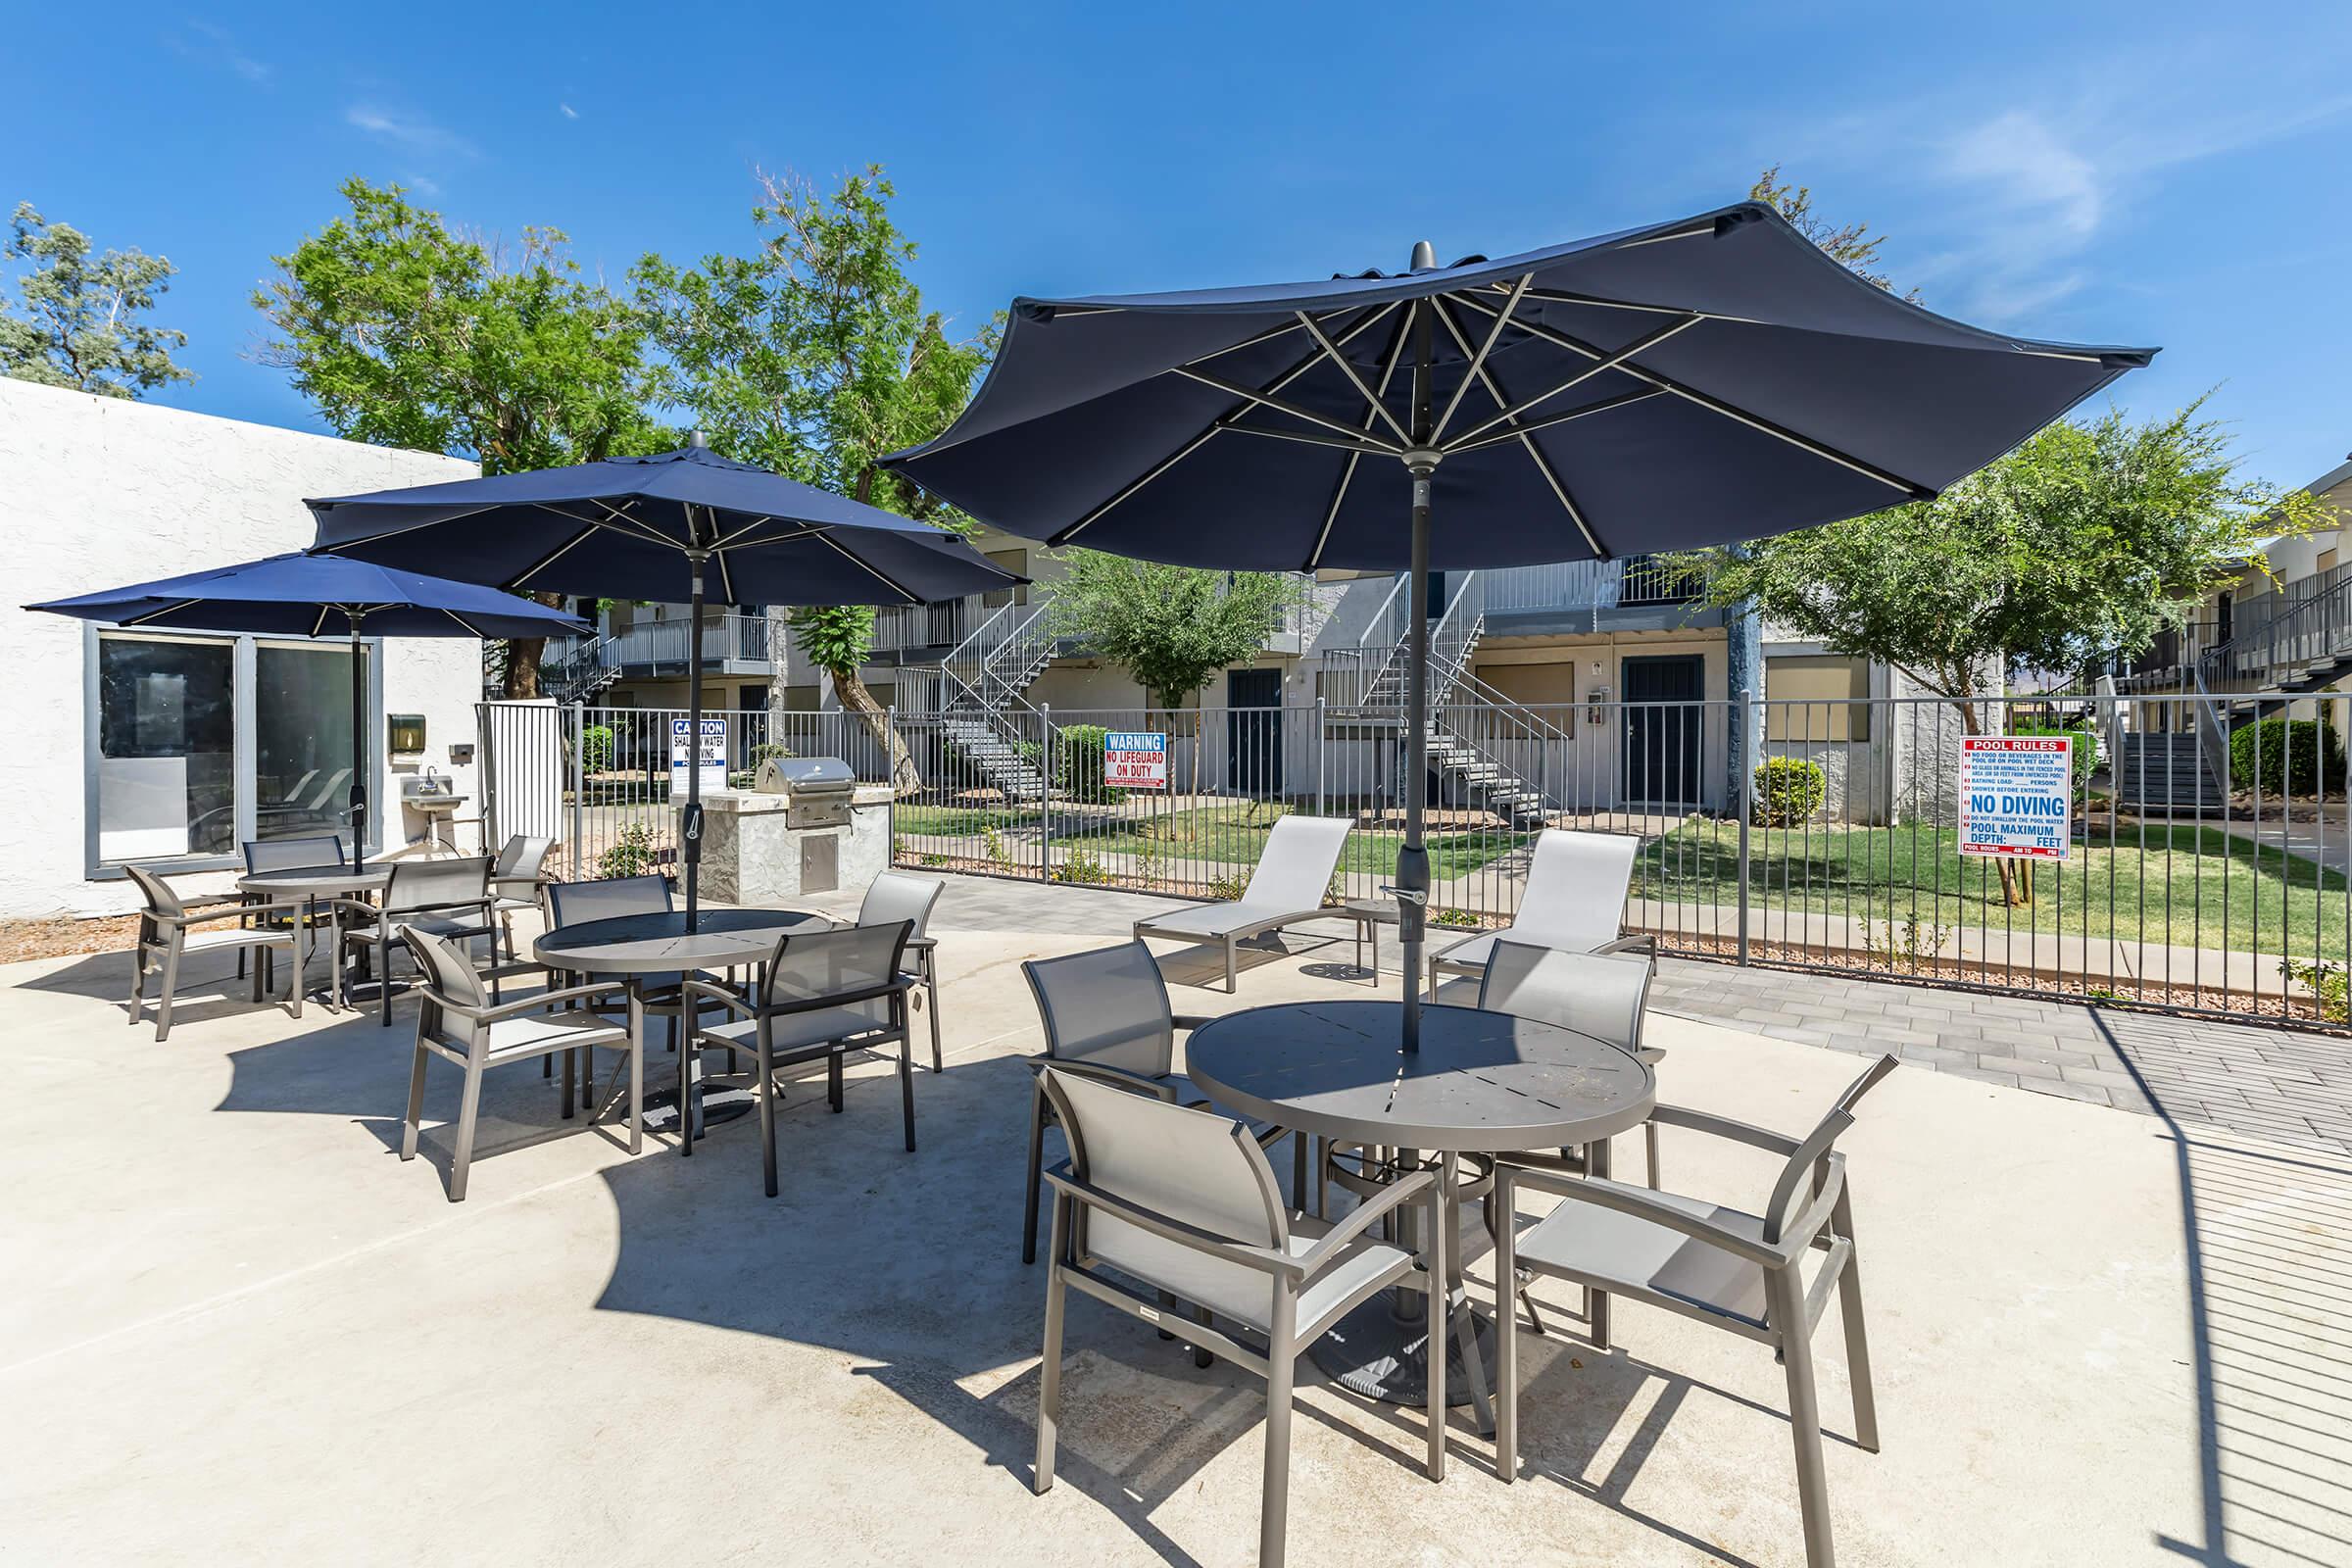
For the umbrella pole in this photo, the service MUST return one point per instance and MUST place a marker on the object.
(359, 749)
(1412, 860)
(690, 826)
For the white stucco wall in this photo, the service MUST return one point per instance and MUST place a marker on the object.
(99, 492)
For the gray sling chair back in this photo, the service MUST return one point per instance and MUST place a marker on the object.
(1599, 994)
(822, 994)
(1106, 1017)
(446, 898)
(892, 896)
(1182, 1201)
(171, 928)
(286, 855)
(1721, 1267)
(518, 880)
(577, 903)
(458, 1023)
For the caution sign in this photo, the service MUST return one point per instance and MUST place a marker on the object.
(712, 755)
(1135, 759)
(2017, 795)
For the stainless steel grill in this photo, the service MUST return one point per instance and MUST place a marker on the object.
(817, 788)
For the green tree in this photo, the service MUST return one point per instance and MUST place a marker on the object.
(407, 332)
(1851, 245)
(78, 321)
(815, 356)
(1172, 629)
(2088, 539)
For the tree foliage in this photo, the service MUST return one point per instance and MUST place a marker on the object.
(77, 321)
(1852, 245)
(407, 332)
(814, 355)
(1170, 627)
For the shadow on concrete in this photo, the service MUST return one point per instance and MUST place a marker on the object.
(2268, 1235)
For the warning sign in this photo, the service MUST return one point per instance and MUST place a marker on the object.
(1135, 759)
(2016, 795)
(714, 756)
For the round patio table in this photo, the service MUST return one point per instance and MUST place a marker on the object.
(310, 884)
(1483, 1083)
(631, 946)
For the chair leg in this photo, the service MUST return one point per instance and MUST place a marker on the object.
(569, 1057)
(766, 1065)
(294, 986)
(1649, 1143)
(470, 1110)
(383, 980)
(1230, 987)
(170, 983)
(636, 1074)
(261, 969)
(686, 1061)
(833, 1079)
(1858, 1341)
(1282, 1363)
(1506, 1327)
(416, 1115)
(931, 985)
(1049, 1383)
(1436, 1266)
(1786, 1292)
(907, 1083)
(1033, 1175)
(139, 981)
(1200, 1356)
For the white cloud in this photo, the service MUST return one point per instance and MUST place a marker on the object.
(422, 185)
(212, 44)
(569, 112)
(402, 130)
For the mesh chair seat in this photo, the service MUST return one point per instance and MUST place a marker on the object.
(1616, 1252)
(543, 1031)
(1194, 1277)
(811, 1032)
(439, 925)
(198, 939)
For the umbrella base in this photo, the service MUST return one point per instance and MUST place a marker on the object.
(1375, 1353)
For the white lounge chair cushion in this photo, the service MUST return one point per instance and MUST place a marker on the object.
(1608, 1247)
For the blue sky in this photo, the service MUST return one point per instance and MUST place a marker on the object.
(2134, 172)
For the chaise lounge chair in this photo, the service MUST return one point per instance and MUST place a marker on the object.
(1292, 871)
(1575, 890)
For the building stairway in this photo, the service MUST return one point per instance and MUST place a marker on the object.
(2165, 770)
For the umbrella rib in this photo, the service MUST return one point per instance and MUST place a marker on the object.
(468, 625)
(157, 615)
(1714, 405)
(1278, 405)
(1223, 423)
(868, 566)
(1555, 295)
(552, 556)
(1338, 494)
(1535, 454)
(1547, 422)
(1362, 448)
(726, 577)
(1478, 361)
(1376, 405)
(1288, 327)
(319, 625)
(1512, 414)
(751, 529)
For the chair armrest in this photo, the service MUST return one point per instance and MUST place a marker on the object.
(708, 990)
(1189, 1021)
(1115, 1077)
(1262, 1259)
(353, 906)
(1643, 1203)
(1644, 942)
(1738, 1132)
(921, 943)
(1337, 1238)
(517, 1009)
(235, 911)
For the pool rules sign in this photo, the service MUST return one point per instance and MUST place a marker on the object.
(2016, 795)
(1135, 759)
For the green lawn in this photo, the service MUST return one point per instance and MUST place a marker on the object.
(1223, 835)
(2215, 891)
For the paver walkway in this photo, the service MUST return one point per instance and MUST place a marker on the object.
(2293, 1085)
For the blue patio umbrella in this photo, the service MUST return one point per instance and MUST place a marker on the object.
(317, 596)
(1697, 382)
(625, 526)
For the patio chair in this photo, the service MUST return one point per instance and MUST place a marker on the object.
(1293, 871)
(1574, 900)
(822, 995)
(1718, 1266)
(1106, 1017)
(167, 927)
(1602, 994)
(286, 855)
(895, 896)
(1182, 1201)
(577, 903)
(516, 880)
(444, 898)
(456, 1022)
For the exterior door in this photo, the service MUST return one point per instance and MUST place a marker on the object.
(1661, 734)
(1254, 732)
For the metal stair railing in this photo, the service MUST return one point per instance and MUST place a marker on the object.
(1452, 641)
(2306, 624)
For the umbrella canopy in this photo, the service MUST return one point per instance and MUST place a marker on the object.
(317, 596)
(628, 527)
(1697, 382)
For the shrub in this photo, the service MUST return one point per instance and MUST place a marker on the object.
(596, 748)
(2084, 755)
(2295, 757)
(1082, 866)
(1788, 789)
(1080, 766)
(629, 855)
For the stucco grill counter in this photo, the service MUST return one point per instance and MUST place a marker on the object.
(805, 826)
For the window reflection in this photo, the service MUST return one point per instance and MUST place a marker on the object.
(166, 748)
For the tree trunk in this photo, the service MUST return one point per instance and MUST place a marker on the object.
(522, 665)
(2014, 891)
(904, 777)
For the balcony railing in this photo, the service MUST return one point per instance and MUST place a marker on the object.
(1634, 581)
(659, 647)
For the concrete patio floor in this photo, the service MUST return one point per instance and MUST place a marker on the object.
(240, 1329)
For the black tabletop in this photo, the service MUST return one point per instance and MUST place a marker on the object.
(659, 943)
(1481, 1082)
